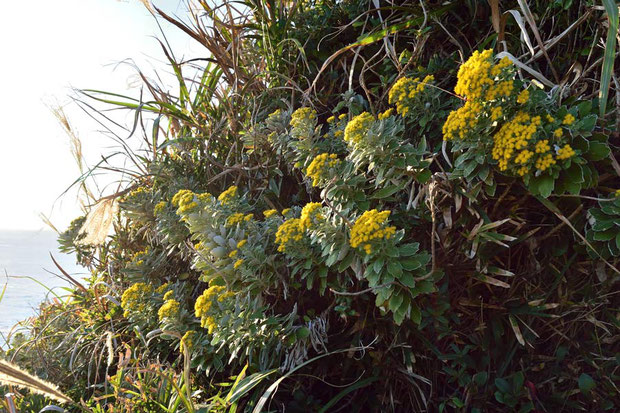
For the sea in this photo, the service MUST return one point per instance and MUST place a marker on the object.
(28, 275)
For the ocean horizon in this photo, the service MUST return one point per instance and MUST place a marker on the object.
(30, 276)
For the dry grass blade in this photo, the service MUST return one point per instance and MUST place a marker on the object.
(98, 222)
(11, 375)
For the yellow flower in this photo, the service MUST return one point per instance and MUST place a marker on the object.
(542, 146)
(226, 196)
(404, 91)
(241, 243)
(568, 119)
(557, 133)
(187, 341)
(286, 211)
(523, 96)
(321, 167)
(475, 75)
(169, 309)
(234, 219)
(311, 215)
(232, 254)
(168, 295)
(544, 162)
(270, 212)
(134, 295)
(370, 226)
(248, 217)
(386, 114)
(342, 116)
(338, 133)
(550, 118)
(289, 232)
(237, 264)
(184, 199)
(565, 152)
(331, 119)
(496, 113)
(160, 207)
(462, 121)
(358, 126)
(301, 115)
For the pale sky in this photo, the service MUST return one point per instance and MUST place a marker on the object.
(48, 47)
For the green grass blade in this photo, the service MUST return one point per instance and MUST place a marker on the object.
(610, 53)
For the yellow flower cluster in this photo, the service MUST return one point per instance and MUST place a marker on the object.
(523, 96)
(303, 121)
(169, 309)
(159, 208)
(228, 195)
(241, 243)
(479, 81)
(372, 225)
(301, 115)
(565, 152)
(405, 90)
(234, 219)
(496, 113)
(557, 133)
(286, 211)
(204, 303)
(500, 90)
(289, 232)
(233, 254)
(386, 114)
(514, 136)
(475, 74)
(133, 298)
(462, 120)
(544, 162)
(184, 199)
(358, 126)
(542, 146)
(269, 213)
(311, 215)
(568, 119)
(168, 295)
(320, 167)
(237, 264)
(187, 341)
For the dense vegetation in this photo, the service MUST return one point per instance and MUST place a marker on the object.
(356, 206)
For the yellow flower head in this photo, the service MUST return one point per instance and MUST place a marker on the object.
(322, 167)
(311, 215)
(169, 309)
(241, 243)
(288, 233)
(557, 133)
(234, 219)
(270, 212)
(237, 264)
(404, 92)
(228, 195)
(371, 226)
(568, 119)
(233, 254)
(286, 211)
(474, 76)
(160, 207)
(565, 152)
(187, 341)
(523, 96)
(358, 126)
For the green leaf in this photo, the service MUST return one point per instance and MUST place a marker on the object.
(302, 333)
(378, 264)
(416, 314)
(586, 383)
(481, 378)
(395, 269)
(385, 192)
(407, 279)
(542, 185)
(605, 235)
(587, 124)
(502, 385)
(408, 250)
(598, 151)
(412, 264)
(395, 301)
